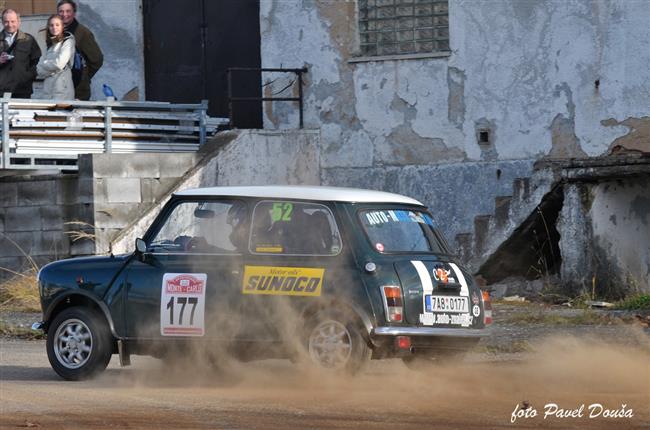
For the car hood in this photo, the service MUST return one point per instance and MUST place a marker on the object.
(92, 274)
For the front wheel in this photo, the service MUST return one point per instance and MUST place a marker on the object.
(78, 343)
(336, 343)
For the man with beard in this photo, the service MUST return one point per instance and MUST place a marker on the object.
(88, 58)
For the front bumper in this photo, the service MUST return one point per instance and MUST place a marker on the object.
(432, 332)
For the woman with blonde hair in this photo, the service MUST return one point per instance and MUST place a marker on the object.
(55, 65)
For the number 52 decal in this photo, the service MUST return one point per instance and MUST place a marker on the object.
(182, 304)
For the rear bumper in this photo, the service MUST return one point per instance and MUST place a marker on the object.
(432, 332)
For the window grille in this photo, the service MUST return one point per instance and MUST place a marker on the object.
(393, 27)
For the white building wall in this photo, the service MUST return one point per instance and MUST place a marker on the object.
(525, 69)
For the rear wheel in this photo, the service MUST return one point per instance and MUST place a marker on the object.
(336, 343)
(78, 343)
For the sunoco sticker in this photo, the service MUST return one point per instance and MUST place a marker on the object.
(284, 281)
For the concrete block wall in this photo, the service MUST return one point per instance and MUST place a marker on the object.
(33, 215)
(126, 185)
(39, 214)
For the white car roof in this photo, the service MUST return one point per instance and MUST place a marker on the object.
(337, 194)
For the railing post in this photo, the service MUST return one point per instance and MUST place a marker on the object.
(5, 130)
(108, 123)
(202, 122)
(299, 73)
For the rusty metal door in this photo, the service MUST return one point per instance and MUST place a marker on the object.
(190, 44)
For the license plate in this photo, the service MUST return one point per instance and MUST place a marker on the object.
(446, 304)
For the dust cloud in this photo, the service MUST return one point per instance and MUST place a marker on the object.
(566, 371)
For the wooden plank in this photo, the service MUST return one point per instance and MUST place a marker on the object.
(88, 113)
(67, 104)
(99, 134)
(100, 125)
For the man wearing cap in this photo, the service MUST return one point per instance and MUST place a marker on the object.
(90, 57)
(19, 54)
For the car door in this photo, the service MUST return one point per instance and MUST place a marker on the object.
(294, 256)
(186, 281)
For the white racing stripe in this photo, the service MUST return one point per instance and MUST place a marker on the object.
(425, 278)
(464, 289)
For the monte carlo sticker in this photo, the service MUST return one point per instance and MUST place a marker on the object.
(182, 304)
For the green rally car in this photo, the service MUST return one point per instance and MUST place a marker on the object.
(335, 276)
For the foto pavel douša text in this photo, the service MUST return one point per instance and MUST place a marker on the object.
(553, 410)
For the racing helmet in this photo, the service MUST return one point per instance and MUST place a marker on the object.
(236, 215)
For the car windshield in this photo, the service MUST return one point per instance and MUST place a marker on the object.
(401, 230)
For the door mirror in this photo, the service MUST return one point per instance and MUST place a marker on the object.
(140, 246)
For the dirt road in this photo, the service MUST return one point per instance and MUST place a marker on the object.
(481, 392)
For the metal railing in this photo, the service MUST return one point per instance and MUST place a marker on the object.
(50, 133)
(231, 99)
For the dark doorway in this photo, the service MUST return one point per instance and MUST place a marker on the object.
(190, 44)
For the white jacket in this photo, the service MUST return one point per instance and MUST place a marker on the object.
(55, 67)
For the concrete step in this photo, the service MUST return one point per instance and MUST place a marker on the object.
(481, 232)
(521, 189)
(464, 246)
(502, 210)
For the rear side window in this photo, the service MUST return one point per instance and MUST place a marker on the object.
(401, 230)
(293, 228)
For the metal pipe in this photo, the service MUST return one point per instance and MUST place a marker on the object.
(108, 131)
(5, 130)
(300, 97)
(230, 100)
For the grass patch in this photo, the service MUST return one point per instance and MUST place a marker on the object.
(584, 317)
(640, 301)
(20, 293)
(8, 330)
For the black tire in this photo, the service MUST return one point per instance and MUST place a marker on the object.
(335, 342)
(79, 343)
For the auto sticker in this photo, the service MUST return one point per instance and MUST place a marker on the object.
(182, 304)
(283, 281)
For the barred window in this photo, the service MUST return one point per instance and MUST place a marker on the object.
(393, 27)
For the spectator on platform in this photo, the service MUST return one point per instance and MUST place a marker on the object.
(88, 57)
(19, 54)
(55, 66)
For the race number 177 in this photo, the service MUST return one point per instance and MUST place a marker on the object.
(182, 304)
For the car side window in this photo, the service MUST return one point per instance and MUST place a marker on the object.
(293, 228)
(203, 227)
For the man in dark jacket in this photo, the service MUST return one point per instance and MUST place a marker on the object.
(91, 56)
(19, 54)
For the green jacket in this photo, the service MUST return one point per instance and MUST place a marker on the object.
(91, 54)
(17, 75)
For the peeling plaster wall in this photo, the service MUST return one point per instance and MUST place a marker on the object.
(117, 25)
(605, 237)
(528, 67)
(620, 219)
(546, 79)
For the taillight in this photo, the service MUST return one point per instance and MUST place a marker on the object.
(393, 303)
(487, 308)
